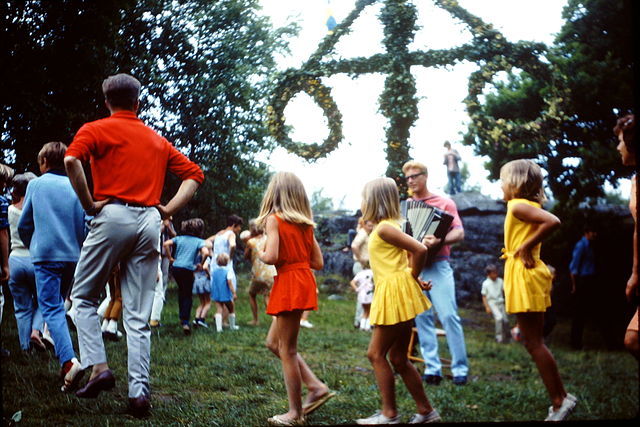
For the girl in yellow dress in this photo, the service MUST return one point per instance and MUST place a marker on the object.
(396, 260)
(527, 280)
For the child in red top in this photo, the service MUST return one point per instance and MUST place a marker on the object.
(286, 215)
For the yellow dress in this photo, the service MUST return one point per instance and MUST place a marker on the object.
(525, 289)
(397, 297)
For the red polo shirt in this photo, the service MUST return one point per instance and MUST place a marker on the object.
(129, 160)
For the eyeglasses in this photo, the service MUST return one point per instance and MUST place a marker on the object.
(414, 176)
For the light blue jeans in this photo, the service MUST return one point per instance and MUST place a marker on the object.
(22, 284)
(443, 297)
(52, 279)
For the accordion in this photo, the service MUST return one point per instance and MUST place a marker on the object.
(422, 219)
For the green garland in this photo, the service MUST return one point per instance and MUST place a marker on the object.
(289, 86)
(398, 102)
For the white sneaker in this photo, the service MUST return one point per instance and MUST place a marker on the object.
(48, 341)
(378, 418)
(431, 417)
(565, 409)
(306, 324)
(112, 327)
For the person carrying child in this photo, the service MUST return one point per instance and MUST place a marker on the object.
(188, 245)
(362, 284)
(527, 280)
(396, 260)
(223, 293)
(285, 213)
(493, 300)
(261, 274)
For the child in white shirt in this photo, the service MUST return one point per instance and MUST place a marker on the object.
(362, 283)
(493, 300)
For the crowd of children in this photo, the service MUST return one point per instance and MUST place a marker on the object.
(284, 253)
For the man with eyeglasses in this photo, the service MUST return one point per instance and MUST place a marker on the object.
(442, 295)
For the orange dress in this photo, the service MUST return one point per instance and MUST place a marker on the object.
(294, 287)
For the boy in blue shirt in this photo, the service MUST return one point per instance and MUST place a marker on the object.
(52, 227)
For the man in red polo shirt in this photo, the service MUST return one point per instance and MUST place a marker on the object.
(128, 164)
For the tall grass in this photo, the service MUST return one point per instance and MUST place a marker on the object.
(230, 379)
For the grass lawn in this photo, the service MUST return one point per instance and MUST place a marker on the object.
(230, 379)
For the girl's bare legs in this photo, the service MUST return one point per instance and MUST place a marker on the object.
(230, 306)
(282, 340)
(382, 339)
(205, 303)
(253, 303)
(531, 325)
(406, 369)
(315, 387)
(365, 310)
(199, 308)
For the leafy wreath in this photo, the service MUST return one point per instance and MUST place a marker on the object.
(398, 101)
(290, 85)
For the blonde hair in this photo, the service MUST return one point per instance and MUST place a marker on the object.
(380, 200)
(286, 196)
(254, 228)
(523, 179)
(412, 164)
(222, 259)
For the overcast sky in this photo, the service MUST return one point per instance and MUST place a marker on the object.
(442, 116)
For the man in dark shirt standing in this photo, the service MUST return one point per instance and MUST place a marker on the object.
(583, 283)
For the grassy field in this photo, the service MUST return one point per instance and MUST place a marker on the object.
(230, 379)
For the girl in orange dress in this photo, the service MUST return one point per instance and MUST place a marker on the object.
(286, 215)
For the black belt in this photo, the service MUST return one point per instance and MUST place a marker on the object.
(131, 205)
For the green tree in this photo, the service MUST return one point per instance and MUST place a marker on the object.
(54, 56)
(204, 65)
(208, 65)
(590, 84)
(320, 203)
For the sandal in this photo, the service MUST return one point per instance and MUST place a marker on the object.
(278, 420)
(312, 406)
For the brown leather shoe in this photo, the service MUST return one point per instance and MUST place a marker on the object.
(139, 407)
(102, 382)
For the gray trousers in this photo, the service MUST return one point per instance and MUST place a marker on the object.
(128, 235)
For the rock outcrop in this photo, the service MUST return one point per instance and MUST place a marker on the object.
(483, 220)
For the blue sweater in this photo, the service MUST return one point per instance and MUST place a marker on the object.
(583, 261)
(52, 220)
